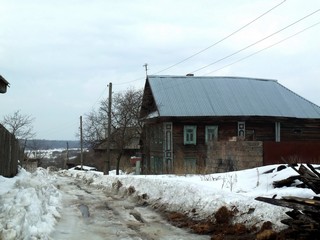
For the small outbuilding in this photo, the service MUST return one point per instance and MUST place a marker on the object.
(3, 85)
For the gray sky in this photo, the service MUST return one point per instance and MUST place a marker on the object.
(60, 55)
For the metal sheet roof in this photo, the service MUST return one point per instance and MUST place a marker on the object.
(227, 96)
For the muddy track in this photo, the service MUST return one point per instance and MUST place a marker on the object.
(91, 213)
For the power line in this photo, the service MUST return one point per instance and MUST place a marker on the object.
(250, 45)
(291, 36)
(221, 40)
(123, 83)
(270, 46)
(212, 45)
(102, 93)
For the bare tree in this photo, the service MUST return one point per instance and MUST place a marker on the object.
(126, 120)
(126, 126)
(94, 127)
(20, 125)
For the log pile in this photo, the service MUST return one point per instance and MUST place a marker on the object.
(304, 221)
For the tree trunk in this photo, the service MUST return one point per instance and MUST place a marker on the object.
(118, 162)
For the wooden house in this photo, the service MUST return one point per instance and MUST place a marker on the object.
(193, 123)
(123, 147)
(3, 85)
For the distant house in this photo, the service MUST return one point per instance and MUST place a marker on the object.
(123, 147)
(193, 124)
(3, 85)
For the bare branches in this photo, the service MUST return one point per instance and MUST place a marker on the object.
(124, 120)
(20, 125)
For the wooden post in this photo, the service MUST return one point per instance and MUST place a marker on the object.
(107, 162)
(81, 144)
(67, 157)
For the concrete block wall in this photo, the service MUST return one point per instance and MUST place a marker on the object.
(225, 156)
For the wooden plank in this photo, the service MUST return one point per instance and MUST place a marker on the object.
(313, 170)
(301, 225)
(310, 179)
(310, 202)
(286, 182)
(288, 204)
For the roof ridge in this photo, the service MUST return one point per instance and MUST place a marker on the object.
(214, 77)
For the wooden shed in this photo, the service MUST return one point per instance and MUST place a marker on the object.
(195, 123)
(3, 85)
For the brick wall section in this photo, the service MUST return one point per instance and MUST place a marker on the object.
(224, 156)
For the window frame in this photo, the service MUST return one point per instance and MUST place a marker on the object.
(186, 139)
(210, 127)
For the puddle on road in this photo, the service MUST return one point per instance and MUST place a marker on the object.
(84, 210)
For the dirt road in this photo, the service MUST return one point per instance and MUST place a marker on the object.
(91, 213)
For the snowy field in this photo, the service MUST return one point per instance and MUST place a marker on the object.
(30, 202)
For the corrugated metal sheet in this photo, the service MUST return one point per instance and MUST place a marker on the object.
(227, 96)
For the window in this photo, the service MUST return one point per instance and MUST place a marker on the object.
(190, 134)
(211, 133)
(156, 134)
(242, 129)
(190, 165)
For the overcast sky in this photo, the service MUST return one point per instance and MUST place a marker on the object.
(60, 55)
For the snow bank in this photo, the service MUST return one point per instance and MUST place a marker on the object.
(28, 205)
(207, 193)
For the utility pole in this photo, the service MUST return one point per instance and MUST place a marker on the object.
(107, 162)
(146, 68)
(81, 144)
(66, 160)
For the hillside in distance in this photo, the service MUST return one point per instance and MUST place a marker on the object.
(42, 144)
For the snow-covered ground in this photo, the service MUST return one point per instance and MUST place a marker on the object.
(30, 203)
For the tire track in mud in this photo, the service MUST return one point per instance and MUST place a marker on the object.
(91, 213)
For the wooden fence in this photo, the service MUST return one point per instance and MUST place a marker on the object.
(10, 153)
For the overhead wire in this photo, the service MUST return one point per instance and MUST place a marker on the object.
(221, 40)
(230, 64)
(212, 45)
(265, 48)
(255, 43)
(228, 36)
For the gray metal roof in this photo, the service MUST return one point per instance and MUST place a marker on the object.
(227, 96)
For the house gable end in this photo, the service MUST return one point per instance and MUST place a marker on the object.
(148, 105)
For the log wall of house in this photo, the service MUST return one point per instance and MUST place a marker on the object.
(257, 129)
(300, 130)
(183, 152)
(152, 148)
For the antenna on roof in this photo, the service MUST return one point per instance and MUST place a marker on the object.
(146, 68)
